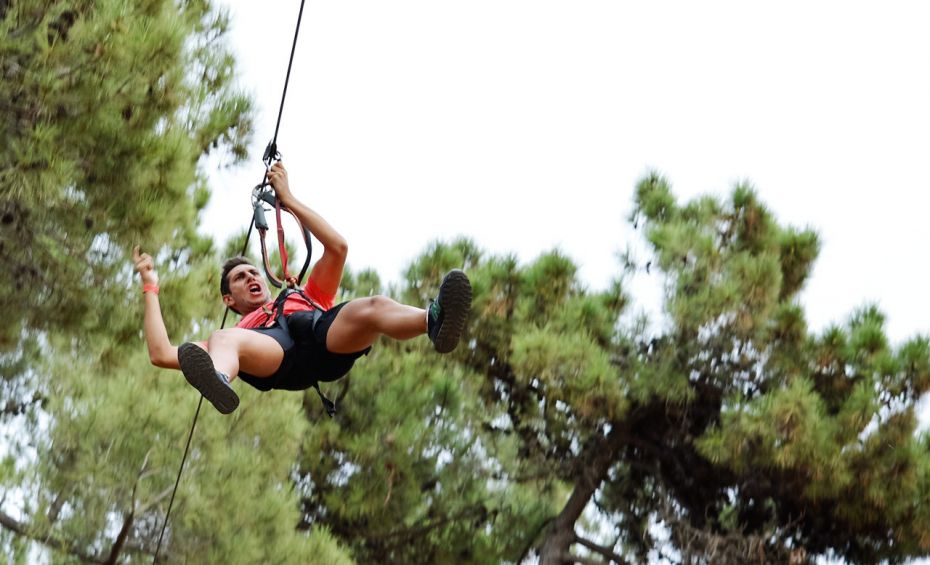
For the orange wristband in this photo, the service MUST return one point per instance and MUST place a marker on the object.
(148, 287)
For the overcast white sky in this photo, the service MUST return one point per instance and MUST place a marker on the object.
(525, 124)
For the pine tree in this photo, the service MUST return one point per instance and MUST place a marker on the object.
(726, 432)
(108, 110)
(776, 432)
(99, 486)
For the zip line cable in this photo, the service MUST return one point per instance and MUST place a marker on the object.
(287, 79)
(271, 153)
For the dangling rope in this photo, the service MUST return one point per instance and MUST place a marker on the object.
(271, 153)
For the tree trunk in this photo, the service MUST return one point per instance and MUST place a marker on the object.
(120, 540)
(561, 534)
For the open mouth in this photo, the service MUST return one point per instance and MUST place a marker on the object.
(255, 288)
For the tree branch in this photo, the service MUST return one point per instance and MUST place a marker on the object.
(55, 508)
(569, 558)
(121, 539)
(123, 535)
(419, 531)
(604, 551)
(46, 538)
(146, 506)
(14, 408)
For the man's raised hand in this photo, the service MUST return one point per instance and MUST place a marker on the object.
(145, 266)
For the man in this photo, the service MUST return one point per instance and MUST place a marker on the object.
(302, 338)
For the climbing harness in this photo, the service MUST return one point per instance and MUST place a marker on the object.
(271, 154)
(276, 316)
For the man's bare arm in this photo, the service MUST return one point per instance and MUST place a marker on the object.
(161, 352)
(327, 272)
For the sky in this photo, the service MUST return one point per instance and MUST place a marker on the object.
(525, 125)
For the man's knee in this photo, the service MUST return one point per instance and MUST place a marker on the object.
(225, 336)
(376, 304)
(367, 310)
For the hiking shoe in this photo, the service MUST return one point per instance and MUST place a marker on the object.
(447, 314)
(198, 369)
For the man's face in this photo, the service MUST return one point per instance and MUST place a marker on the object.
(247, 289)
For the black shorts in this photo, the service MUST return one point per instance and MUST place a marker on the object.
(302, 336)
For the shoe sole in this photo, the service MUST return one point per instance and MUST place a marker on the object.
(199, 371)
(456, 303)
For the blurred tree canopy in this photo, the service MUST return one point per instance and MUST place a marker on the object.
(108, 109)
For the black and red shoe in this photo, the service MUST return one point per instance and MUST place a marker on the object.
(199, 371)
(446, 316)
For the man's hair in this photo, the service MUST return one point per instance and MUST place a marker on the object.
(229, 265)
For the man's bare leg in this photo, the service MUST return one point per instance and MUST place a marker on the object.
(236, 349)
(230, 351)
(359, 323)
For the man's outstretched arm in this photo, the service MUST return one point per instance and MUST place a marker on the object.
(327, 272)
(161, 352)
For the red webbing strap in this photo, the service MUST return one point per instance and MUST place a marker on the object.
(266, 262)
(288, 279)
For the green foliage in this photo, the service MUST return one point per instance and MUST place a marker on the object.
(116, 432)
(783, 429)
(399, 477)
(108, 106)
(572, 371)
(399, 474)
(423, 462)
(108, 109)
(810, 439)
(731, 425)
